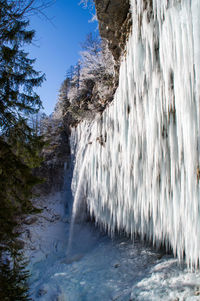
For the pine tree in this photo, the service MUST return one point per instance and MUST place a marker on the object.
(13, 278)
(19, 145)
(17, 76)
(18, 142)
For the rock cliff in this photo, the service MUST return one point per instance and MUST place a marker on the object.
(115, 21)
(114, 24)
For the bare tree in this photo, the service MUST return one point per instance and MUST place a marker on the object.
(26, 8)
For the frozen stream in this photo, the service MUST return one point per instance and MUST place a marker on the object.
(99, 268)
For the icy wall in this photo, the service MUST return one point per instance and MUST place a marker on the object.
(137, 166)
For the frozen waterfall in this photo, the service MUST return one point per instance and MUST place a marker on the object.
(139, 161)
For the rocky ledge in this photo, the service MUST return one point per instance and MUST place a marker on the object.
(114, 24)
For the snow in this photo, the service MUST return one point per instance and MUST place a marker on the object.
(100, 268)
(97, 267)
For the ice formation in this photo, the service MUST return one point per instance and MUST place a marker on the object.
(138, 164)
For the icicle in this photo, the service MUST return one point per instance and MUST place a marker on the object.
(141, 163)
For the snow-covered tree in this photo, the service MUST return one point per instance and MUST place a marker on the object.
(88, 83)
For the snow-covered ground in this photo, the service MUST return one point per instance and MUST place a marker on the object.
(98, 268)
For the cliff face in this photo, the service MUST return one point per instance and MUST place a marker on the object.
(97, 92)
(114, 24)
(56, 156)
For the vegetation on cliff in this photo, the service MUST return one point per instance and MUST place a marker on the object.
(88, 85)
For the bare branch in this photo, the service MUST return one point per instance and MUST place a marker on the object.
(28, 8)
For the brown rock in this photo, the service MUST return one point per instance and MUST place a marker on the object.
(114, 23)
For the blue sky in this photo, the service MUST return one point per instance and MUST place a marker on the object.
(56, 47)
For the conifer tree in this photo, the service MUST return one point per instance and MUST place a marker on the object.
(19, 145)
(17, 75)
(13, 279)
(18, 142)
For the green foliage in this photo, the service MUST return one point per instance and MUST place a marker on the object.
(16, 183)
(20, 146)
(13, 278)
(17, 76)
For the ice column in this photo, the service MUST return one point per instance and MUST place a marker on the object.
(141, 157)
